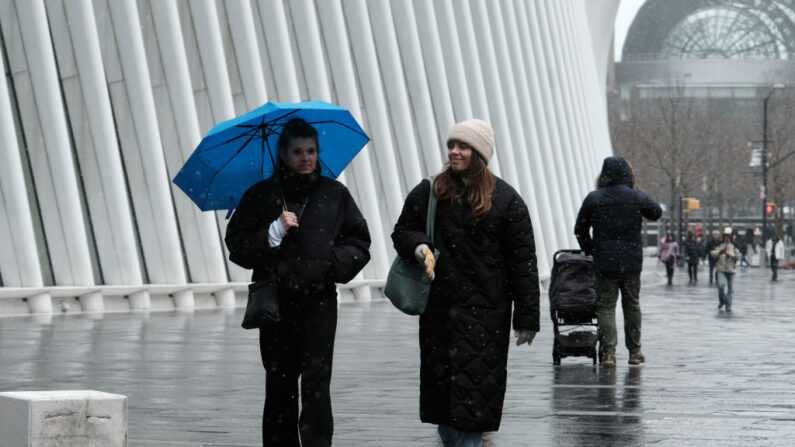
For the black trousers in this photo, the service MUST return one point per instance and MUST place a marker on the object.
(774, 267)
(692, 271)
(300, 345)
(669, 269)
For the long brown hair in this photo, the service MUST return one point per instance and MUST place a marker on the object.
(480, 190)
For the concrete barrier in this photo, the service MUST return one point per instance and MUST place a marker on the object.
(79, 418)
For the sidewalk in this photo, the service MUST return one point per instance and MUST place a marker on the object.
(195, 379)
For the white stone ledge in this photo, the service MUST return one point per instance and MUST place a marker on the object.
(77, 418)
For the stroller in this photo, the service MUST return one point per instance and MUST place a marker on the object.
(572, 306)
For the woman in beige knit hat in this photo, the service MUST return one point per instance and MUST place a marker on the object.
(486, 276)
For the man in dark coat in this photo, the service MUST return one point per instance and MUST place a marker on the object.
(305, 231)
(615, 212)
(487, 266)
(711, 244)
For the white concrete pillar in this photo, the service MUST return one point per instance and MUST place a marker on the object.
(121, 265)
(165, 254)
(200, 230)
(395, 88)
(481, 108)
(40, 303)
(66, 233)
(453, 60)
(428, 26)
(244, 37)
(431, 143)
(208, 35)
(338, 47)
(550, 95)
(372, 89)
(19, 261)
(508, 126)
(577, 122)
(142, 301)
(532, 106)
(277, 34)
(92, 302)
(511, 67)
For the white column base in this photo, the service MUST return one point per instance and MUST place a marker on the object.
(225, 298)
(40, 304)
(363, 294)
(184, 299)
(140, 300)
(92, 302)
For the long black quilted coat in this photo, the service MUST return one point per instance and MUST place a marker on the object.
(482, 270)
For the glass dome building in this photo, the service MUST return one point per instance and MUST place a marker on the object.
(715, 48)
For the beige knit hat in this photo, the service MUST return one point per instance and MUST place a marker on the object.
(478, 134)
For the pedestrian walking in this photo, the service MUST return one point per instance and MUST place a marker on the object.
(711, 244)
(615, 212)
(726, 255)
(487, 264)
(742, 245)
(776, 249)
(693, 251)
(306, 231)
(668, 254)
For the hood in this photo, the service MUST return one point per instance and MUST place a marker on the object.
(615, 171)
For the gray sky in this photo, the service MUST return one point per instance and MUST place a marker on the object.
(626, 12)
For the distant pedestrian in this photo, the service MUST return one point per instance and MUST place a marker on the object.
(749, 240)
(668, 254)
(306, 232)
(615, 212)
(726, 256)
(742, 245)
(776, 249)
(711, 244)
(487, 264)
(788, 234)
(693, 251)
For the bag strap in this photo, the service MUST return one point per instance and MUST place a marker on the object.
(431, 215)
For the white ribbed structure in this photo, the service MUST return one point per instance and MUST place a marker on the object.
(103, 100)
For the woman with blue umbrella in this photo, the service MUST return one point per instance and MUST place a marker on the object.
(304, 230)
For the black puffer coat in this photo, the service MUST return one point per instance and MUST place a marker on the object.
(329, 246)
(482, 270)
(615, 211)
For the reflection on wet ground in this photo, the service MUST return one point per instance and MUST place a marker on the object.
(195, 379)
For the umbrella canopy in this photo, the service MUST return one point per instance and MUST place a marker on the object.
(238, 153)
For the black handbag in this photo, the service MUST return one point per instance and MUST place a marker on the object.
(407, 285)
(263, 303)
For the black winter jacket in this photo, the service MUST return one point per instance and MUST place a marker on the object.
(329, 246)
(615, 211)
(483, 270)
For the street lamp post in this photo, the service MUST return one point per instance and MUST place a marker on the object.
(764, 166)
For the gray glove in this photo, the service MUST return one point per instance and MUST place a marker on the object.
(524, 336)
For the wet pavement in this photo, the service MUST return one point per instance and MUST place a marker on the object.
(195, 379)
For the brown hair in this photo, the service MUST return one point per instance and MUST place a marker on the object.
(481, 184)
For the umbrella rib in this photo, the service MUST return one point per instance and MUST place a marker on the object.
(218, 171)
(246, 134)
(341, 124)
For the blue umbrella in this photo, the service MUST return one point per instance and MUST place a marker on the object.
(238, 153)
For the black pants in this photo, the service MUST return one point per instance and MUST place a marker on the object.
(669, 269)
(692, 271)
(301, 344)
(713, 275)
(774, 267)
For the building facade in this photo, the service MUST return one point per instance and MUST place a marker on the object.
(102, 101)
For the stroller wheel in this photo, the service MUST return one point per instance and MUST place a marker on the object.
(555, 353)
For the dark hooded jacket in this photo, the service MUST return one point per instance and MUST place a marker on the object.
(615, 212)
(329, 246)
(483, 270)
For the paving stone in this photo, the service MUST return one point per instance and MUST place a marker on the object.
(195, 379)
